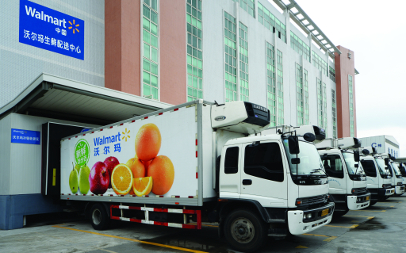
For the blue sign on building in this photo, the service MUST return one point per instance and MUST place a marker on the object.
(25, 136)
(52, 30)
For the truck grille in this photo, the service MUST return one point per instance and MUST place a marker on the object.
(313, 200)
(359, 191)
(399, 183)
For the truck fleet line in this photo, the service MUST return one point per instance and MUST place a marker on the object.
(203, 161)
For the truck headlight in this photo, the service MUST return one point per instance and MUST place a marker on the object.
(308, 216)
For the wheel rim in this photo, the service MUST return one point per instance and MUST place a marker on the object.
(242, 230)
(96, 216)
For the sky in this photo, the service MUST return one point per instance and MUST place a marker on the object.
(376, 32)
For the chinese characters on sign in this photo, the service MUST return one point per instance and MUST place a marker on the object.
(25, 136)
(52, 30)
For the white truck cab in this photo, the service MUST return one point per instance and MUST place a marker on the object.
(280, 170)
(402, 169)
(347, 180)
(378, 179)
(397, 179)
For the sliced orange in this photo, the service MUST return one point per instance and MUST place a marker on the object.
(142, 186)
(121, 179)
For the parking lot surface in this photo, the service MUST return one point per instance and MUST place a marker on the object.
(380, 228)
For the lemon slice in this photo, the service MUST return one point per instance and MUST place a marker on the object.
(142, 186)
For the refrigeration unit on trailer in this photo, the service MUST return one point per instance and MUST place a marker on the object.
(200, 161)
(397, 179)
(347, 180)
(378, 179)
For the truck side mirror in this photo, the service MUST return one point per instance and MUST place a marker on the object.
(365, 151)
(356, 155)
(293, 145)
(386, 161)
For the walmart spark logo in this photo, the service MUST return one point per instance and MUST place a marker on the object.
(126, 134)
(73, 26)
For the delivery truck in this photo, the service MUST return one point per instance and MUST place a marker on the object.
(379, 182)
(397, 179)
(347, 180)
(200, 161)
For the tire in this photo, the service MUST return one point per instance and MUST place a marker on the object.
(373, 203)
(339, 214)
(99, 217)
(245, 231)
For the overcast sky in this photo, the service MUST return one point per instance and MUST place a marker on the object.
(376, 32)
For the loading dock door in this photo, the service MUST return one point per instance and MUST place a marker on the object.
(52, 133)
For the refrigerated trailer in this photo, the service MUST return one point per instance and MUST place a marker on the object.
(347, 180)
(199, 161)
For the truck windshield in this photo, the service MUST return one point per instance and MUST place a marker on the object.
(350, 162)
(310, 162)
(381, 166)
(396, 170)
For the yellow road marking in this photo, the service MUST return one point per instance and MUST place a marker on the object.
(133, 240)
(369, 217)
(110, 251)
(330, 238)
(317, 235)
(301, 247)
(353, 226)
(382, 211)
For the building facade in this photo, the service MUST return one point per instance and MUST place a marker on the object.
(91, 63)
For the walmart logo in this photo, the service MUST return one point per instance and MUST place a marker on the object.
(73, 26)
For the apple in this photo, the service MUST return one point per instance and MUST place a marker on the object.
(111, 162)
(99, 178)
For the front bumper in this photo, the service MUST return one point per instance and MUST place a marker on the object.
(320, 216)
(385, 192)
(399, 189)
(356, 202)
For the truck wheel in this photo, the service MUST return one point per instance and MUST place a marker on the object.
(99, 217)
(373, 203)
(244, 231)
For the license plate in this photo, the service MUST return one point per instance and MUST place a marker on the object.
(367, 198)
(324, 212)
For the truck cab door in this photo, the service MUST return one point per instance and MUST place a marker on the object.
(229, 186)
(263, 177)
(333, 164)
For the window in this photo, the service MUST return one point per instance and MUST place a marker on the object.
(264, 161)
(369, 168)
(150, 62)
(319, 63)
(266, 18)
(248, 6)
(332, 73)
(230, 57)
(302, 95)
(321, 104)
(351, 101)
(271, 82)
(280, 87)
(231, 161)
(194, 50)
(299, 46)
(243, 53)
(333, 165)
(334, 112)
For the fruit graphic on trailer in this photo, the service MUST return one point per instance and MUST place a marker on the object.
(137, 168)
(84, 185)
(122, 179)
(163, 174)
(74, 180)
(147, 142)
(99, 178)
(142, 186)
(111, 162)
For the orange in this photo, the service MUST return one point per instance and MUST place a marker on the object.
(137, 168)
(163, 174)
(146, 164)
(142, 186)
(121, 179)
(147, 142)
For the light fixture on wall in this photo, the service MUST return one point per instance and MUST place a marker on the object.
(349, 55)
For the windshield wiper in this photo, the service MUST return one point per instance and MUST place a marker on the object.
(316, 170)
